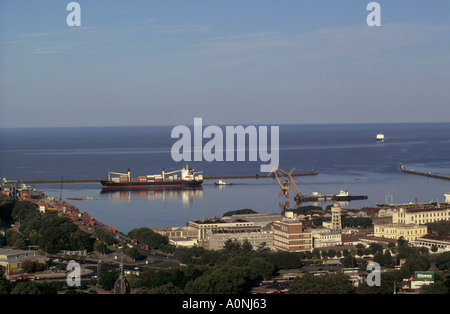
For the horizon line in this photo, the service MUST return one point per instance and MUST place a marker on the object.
(222, 124)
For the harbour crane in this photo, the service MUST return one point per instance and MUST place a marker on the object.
(284, 186)
(279, 173)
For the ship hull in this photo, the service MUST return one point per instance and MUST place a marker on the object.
(324, 198)
(151, 185)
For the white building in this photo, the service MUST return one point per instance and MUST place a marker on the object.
(327, 238)
(441, 243)
(447, 197)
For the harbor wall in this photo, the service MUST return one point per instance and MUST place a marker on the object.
(426, 174)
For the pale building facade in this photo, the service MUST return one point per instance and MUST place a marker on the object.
(409, 232)
(421, 215)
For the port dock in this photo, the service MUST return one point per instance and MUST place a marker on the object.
(426, 174)
(213, 177)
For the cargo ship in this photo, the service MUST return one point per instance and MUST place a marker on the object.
(187, 179)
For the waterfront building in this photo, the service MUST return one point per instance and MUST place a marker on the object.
(291, 236)
(421, 214)
(177, 232)
(202, 227)
(409, 232)
(258, 219)
(258, 237)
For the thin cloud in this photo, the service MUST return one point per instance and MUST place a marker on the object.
(49, 50)
(352, 43)
(65, 31)
(185, 29)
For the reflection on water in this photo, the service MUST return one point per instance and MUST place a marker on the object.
(187, 195)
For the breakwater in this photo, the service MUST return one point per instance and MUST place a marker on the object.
(214, 177)
(426, 174)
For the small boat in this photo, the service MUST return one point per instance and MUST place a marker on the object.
(80, 198)
(221, 182)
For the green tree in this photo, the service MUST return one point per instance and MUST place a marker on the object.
(402, 242)
(440, 228)
(316, 253)
(168, 288)
(327, 284)
(5, 286)
(108, 279)
(132, 252)
(26, 287)
(443, 261)
(80, 240)
(247, 246)
(262, 267)
(12, 236)
(388, 280)
(435, 288)
(434, 248)
(100, 247)
(239, 212)
(285, 260)
(383, 259)
(103, 235)
(222, 280)
(149, 237)
(32, 266)
(232, 246)
(6, 207)
(332, 253)
(20, 244)
(183, 255)
(375, 248)
(413, 264)
(350, 261)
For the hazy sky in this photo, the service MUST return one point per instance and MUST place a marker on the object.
(141, 62)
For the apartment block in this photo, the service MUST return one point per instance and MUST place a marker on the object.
(291, 236)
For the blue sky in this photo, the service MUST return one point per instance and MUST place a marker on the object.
(228, 62)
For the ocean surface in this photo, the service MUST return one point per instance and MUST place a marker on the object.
(346, 156)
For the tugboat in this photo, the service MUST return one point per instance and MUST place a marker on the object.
(221, 182)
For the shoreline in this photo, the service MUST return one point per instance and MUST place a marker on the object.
(90, 180)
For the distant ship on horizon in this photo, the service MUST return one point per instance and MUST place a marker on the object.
(380, 137)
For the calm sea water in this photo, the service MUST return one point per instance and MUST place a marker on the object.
(345, 157)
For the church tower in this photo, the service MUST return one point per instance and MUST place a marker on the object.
(121, 285)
